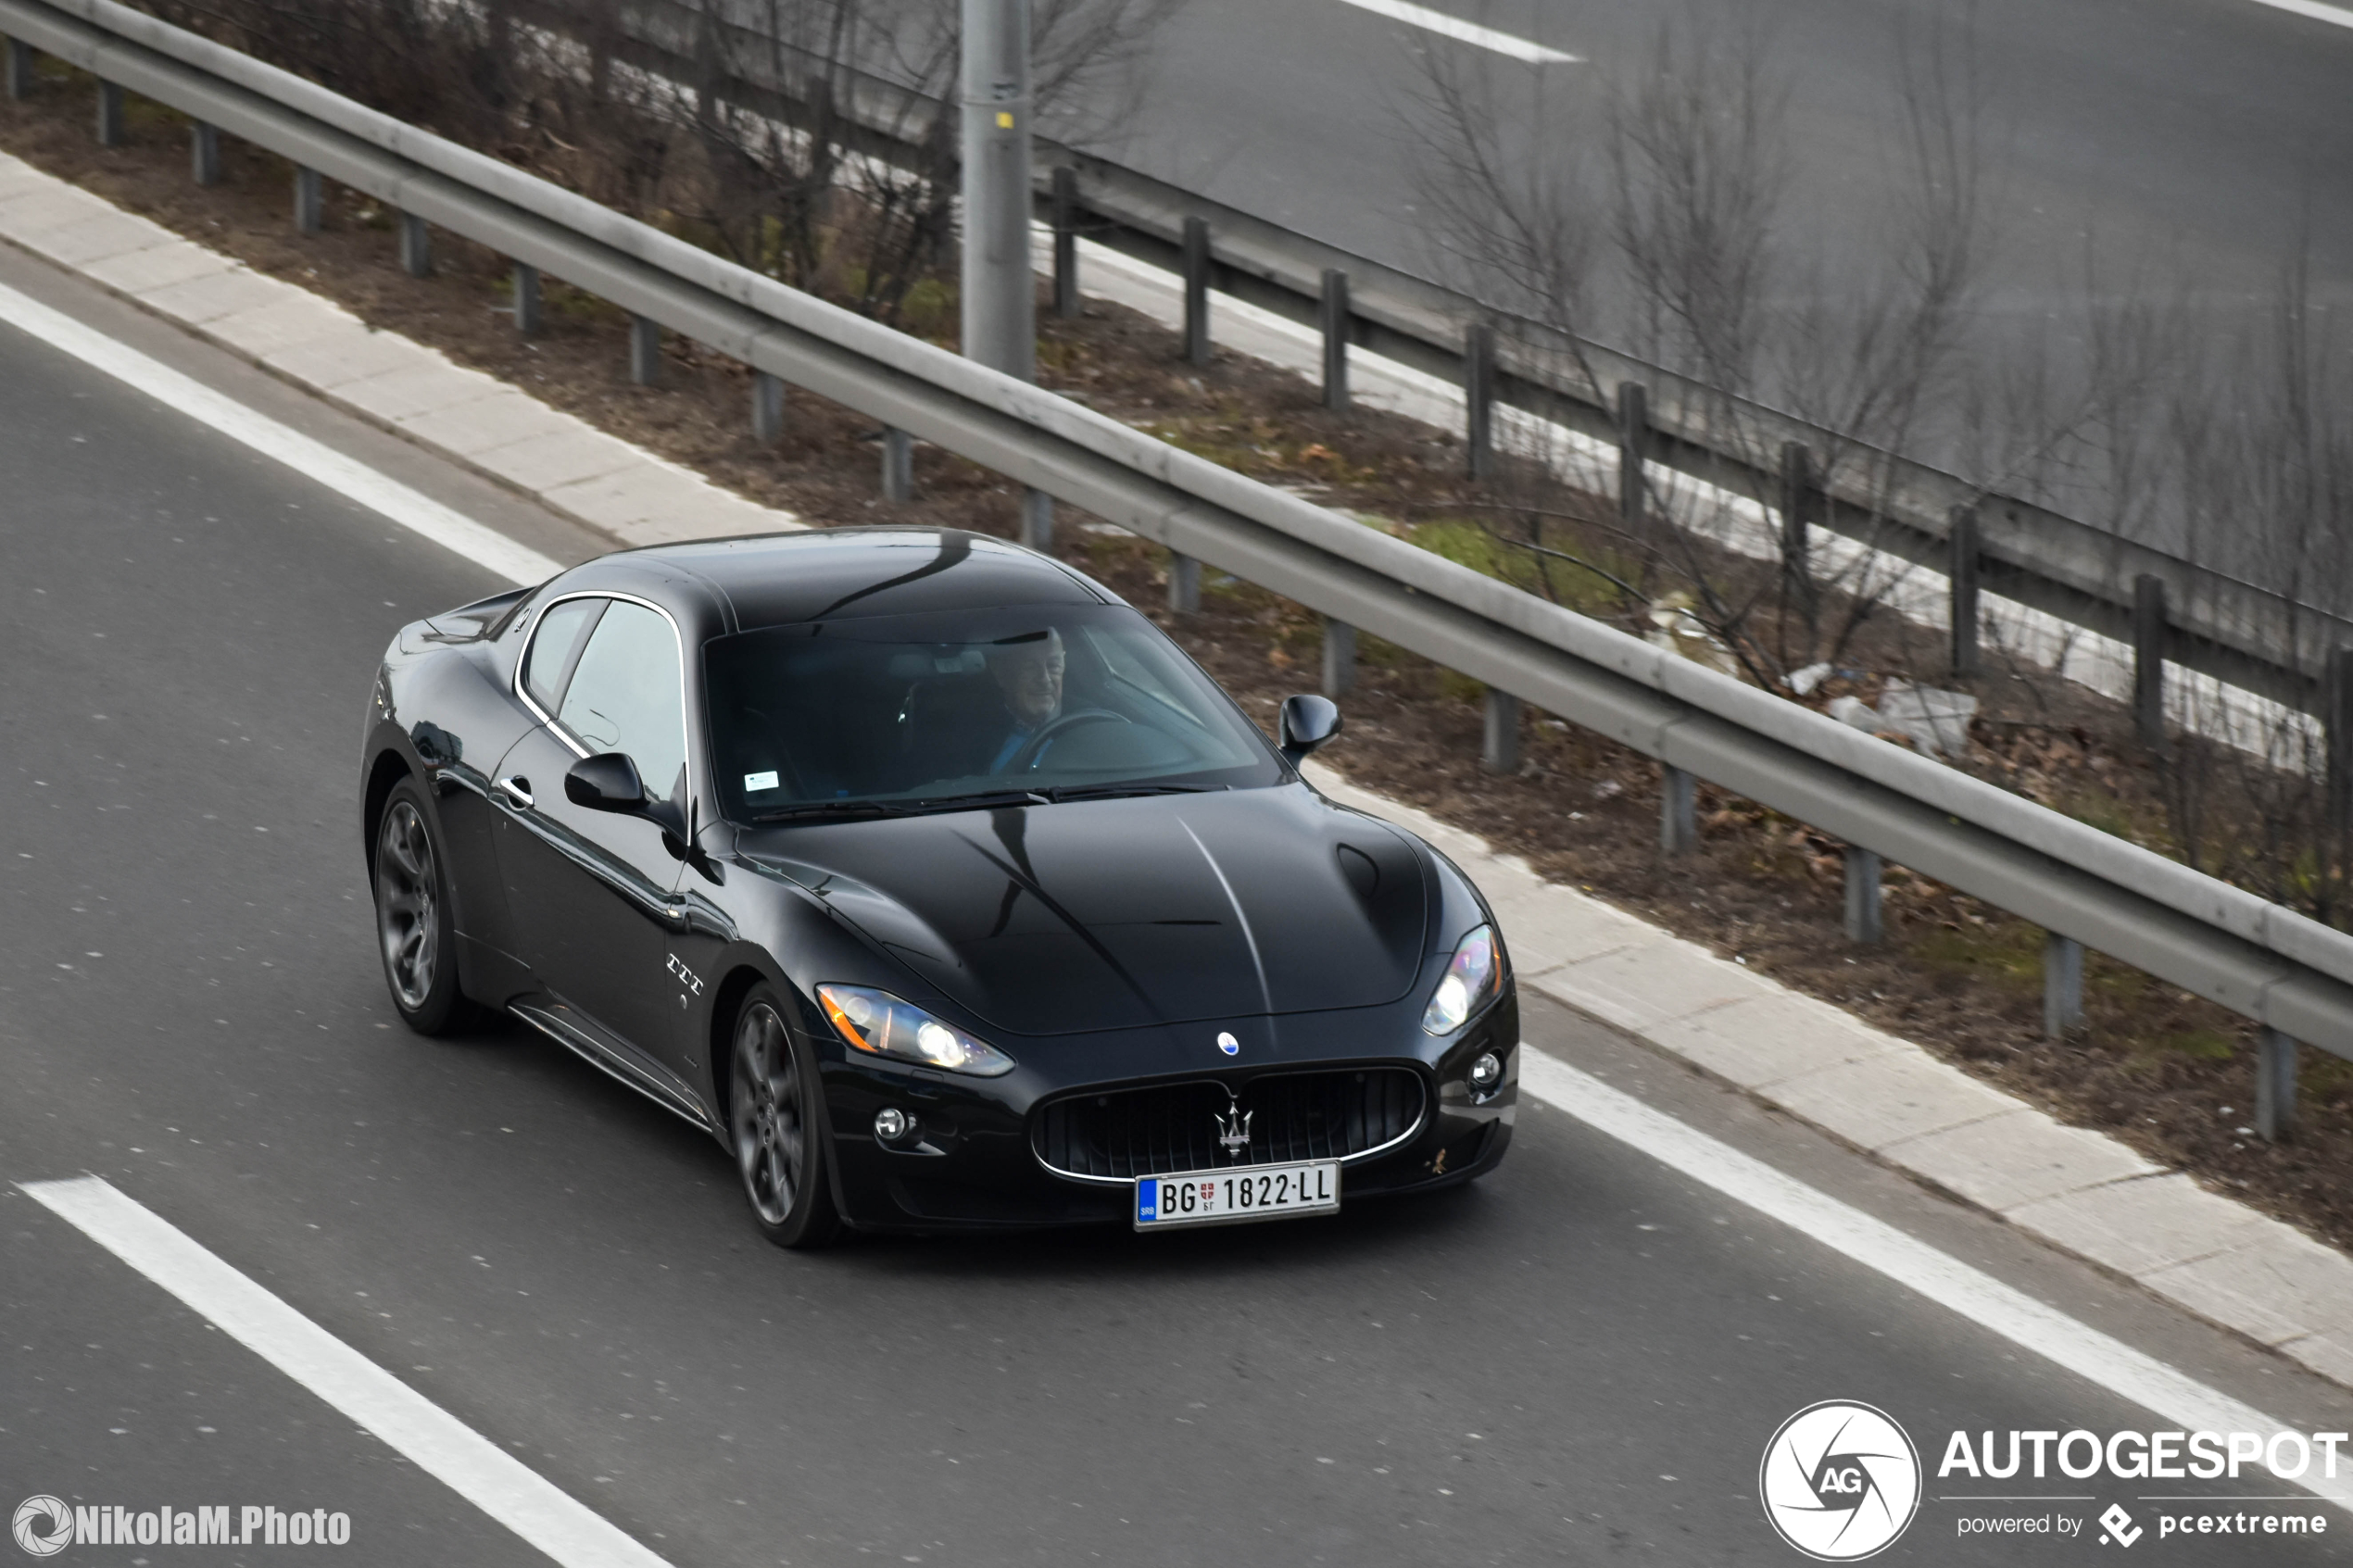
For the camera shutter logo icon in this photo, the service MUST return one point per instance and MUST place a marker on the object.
(43, 1525)
(1840, 1481)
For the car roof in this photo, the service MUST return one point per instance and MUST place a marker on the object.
(837, 573)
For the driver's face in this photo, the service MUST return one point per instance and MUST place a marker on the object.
(1031, 677)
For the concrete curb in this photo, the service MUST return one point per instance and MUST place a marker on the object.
(2080, 1191)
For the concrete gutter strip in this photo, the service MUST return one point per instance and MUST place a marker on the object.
(2079, 1190)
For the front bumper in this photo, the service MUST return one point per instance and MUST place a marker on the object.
(971, 1162)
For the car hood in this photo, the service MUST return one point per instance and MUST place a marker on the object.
(1110, 914)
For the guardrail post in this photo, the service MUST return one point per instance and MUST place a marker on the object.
(1197, 291)
(109, 114)
(1797, 512)
(1865, 922)
(767, 406)
(645, 350)
(898, 465)
(2274, 1085)
(1184, 584)
(527, 301)
(204, 153)
(1066, 242)
(1037, 519)
(309, 201)
(1340, 657)
(21, 55)
(1960, 539)
(1335, 324)
(1677, 810)
(1633, 441)
(2148, 659)
(416, 247)
(2062, 985)
(2336, 721)
(1499, 747)
(1478, 398)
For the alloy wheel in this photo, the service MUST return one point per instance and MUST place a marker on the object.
(407, 912)
(771, 1140)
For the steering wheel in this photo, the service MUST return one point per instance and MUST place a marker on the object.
(1034, 747)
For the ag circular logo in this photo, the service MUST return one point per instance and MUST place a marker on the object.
(1840, 1481)
(43, 1525)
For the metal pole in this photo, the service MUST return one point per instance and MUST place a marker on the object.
(1340, 656)
(1633, 439)
(1335, 323)
(1197, 291)
(2062, 985)
(2336, 721)
(21, 55)
(109, 114)
(999, 298)
(416, 247)
(1184, 584)
(527, 304)
(2274, 1085)
(1960, 538)
(1677, 810)
(1864, 923)
(309, 201)
(1499, 750)
(1478, 398)
(204, 153)
(898, 465)
(1037, 520)
(1066, 242)
(645, 350)
(2148, 659)
(767, 406)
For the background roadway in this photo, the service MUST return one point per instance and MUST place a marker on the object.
(1582, 1354)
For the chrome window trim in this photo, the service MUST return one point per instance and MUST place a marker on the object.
(555, 726)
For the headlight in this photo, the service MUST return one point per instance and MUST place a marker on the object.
(880, 1023)
(1472, 977)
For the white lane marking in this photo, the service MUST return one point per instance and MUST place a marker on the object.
(347, 476)
(435, 1441)
(2098, 1358)
(2313, 9)
(1468, 32)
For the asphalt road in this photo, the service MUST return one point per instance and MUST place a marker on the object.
(1582, 1357)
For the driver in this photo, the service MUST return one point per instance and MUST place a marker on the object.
(1028, 672)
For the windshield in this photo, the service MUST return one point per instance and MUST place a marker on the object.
(896, 711)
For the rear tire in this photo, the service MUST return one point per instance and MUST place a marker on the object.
(776, 1126)
(414, 933)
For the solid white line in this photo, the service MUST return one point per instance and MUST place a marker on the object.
(347, 476)
(435, 1441)
(2313, 9)
(1979, 1297)
(1468, 32)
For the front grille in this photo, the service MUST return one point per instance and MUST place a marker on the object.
(1129, 1132)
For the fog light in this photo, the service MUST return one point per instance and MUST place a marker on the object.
(891, 1124)
(1487, 1071)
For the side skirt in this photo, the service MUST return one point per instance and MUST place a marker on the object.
(563, 1023)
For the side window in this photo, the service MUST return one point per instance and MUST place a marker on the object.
(624, 694)
(553, 646)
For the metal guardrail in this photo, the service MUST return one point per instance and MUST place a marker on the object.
(2291, 973)
(2217, 625)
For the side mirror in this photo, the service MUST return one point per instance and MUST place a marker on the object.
(1308, 723)
(606, 782)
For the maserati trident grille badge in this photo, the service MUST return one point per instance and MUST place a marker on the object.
(1233, 1130)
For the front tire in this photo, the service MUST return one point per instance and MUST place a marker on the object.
(414, 933)
(776, 1123)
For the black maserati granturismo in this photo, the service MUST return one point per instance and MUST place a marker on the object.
(936, 882)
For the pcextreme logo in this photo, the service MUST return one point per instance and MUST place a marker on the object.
(1840, 1481)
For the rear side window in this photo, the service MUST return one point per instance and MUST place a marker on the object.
(624, 695)
(554, 647)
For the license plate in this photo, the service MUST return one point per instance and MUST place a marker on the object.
(1252, 1191)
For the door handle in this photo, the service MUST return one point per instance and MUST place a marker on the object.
(515, 787)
